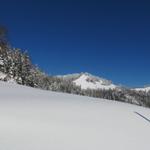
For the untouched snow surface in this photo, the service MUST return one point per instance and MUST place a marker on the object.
(32, 119)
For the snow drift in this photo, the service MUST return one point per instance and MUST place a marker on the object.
(32, 119)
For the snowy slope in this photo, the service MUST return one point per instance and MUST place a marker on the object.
(32, 119)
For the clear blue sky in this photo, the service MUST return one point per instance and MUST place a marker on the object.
(106, 38)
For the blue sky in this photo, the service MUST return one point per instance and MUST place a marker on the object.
(106, 38)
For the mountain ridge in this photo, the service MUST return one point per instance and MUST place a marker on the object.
(87, 80)
(75, 76)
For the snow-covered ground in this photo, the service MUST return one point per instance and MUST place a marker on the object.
(32, 119)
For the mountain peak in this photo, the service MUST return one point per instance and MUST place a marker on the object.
(144, 89)
(89, 81)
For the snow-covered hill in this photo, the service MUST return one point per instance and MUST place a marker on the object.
(88, 81)
(145, 89)
(32, 119)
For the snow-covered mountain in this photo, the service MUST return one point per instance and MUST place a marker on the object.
(88, 81)
(33, 119)
(16, 66)
(145, 89)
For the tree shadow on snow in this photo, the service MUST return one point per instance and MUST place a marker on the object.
(142, 116)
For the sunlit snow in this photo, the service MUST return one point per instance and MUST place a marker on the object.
(32, 119)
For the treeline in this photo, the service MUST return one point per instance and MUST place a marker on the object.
(17, 65)
(140, 98)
